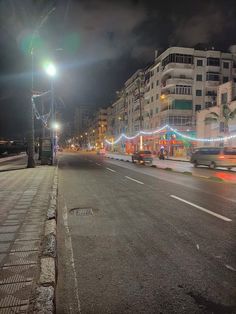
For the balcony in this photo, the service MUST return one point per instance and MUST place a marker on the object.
(188, 68)
(173, 81)
(212, 83)
(212, 68)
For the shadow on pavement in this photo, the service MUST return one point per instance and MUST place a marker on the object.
(13, 169)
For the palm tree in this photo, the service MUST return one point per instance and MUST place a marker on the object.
(227, 115)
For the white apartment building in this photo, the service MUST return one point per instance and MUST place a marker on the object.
(180, 82)
(183, 81)
(134, 93)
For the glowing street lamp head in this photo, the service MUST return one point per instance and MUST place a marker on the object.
(50, 69)
(56, 126)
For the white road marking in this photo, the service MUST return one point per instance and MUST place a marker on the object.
(202, 208)
(70, 249)
(110, 169)
(230, 267)
(201, 176)
(97, 164)
(134, 180)
(197, 246)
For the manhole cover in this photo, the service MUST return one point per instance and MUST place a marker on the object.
(82, 211)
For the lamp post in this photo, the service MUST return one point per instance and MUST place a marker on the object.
(30, 149)
(164, 97)
(140, 113)
(51, 72)
(56, 127)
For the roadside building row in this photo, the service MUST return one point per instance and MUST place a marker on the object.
(178, 89)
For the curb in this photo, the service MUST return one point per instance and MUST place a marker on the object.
(44, 302)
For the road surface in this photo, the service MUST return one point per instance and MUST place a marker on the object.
(133, 239)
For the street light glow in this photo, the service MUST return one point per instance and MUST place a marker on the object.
(56, 126)
(51, 69)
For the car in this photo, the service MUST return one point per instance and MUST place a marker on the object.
(214, 157)
(142, 157)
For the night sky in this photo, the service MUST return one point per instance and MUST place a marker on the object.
(96, 46)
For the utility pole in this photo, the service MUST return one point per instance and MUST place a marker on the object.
(140, 113)
(30, 141)
(30, 144)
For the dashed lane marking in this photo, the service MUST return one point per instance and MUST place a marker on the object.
(134, 180)
(110, 169)
(202, 208)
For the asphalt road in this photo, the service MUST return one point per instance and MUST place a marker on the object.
(135, 239)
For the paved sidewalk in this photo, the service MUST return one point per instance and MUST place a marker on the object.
(24, 199)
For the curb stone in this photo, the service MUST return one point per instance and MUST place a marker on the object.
(44, 302)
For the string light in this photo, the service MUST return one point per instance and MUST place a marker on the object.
(216, 139)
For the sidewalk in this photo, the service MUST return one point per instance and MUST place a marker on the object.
(24, 200)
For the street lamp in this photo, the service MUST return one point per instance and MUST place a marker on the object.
(56, 126)
(31, 161)
(50, 69)
(169, 106)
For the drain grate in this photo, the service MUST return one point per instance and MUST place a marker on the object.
(82, 211)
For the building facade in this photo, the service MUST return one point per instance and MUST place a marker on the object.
(221, 125)
(180, 83)
(96, 132)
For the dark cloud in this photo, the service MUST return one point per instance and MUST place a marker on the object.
(103, 42)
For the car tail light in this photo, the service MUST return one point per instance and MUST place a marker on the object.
(142, 155)
(221, 157)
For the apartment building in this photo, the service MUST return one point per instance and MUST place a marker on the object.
(180, 82)
(97, 129)
(81, 118)
(134, 93)
(220, 126)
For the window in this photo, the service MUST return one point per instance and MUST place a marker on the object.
(224, 98)
(177, 120)
(213, 61)
(226, 65)
(152, 85)
(151, 113)
(235, 80)
(212, 76)
(198, 107)
(183, 90)
(199, 62)
(157, 96)
(211, 93)
(157, 110)
(157, 83)
(199, 77)
(225, 79)
(157, 69)
(198, 92)
(177, 58)
(152, 99)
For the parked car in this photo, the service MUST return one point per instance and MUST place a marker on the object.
(214, 157)
(142, 157)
